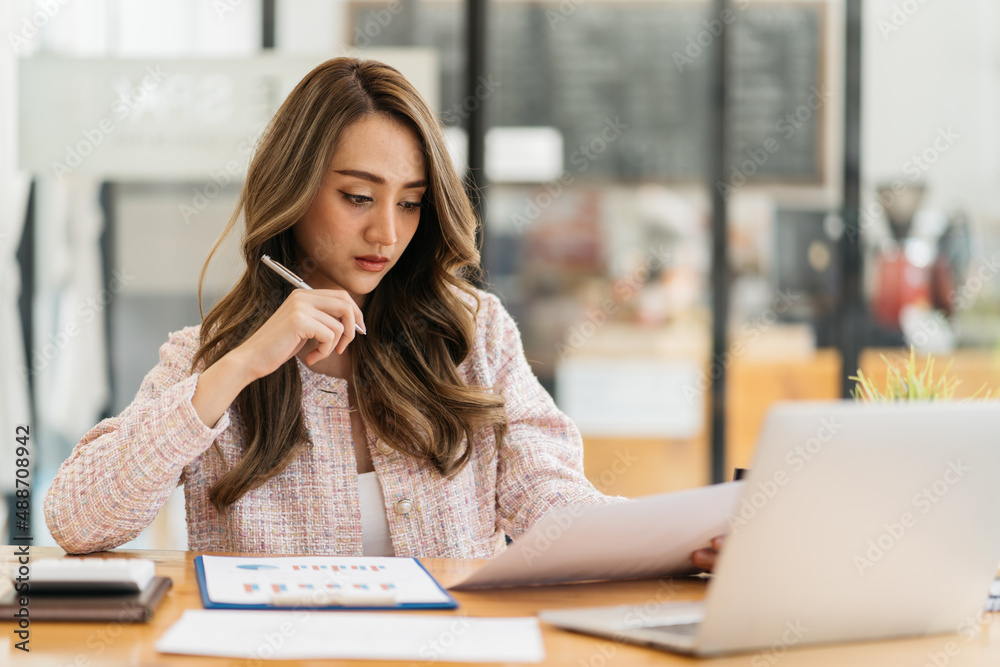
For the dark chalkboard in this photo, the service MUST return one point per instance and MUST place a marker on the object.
(646, 65)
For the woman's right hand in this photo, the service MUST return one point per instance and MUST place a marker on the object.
(706, 558)
(324, 315)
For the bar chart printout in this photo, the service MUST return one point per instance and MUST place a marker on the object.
(253, 581)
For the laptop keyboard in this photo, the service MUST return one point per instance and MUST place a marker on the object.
(682, 629)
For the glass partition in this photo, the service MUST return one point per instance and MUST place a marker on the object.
(597, 206)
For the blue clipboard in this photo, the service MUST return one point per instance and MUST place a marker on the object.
(199, 567)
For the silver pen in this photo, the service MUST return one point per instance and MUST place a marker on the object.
(288, 275)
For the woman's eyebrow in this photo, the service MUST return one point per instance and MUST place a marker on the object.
(378, 180)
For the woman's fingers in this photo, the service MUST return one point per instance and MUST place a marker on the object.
(328, 334)
(359, 317)
(340, 305)
(347, 320)
(327, 317)
(337, 304)
(704, 558)
(341, 334)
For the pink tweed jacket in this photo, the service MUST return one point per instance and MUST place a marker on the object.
(124, 469)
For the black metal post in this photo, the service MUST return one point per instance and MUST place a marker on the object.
(267, 9)
(106, 197)
(852, 316)
(475, 123)
(718, 153)
(25, 304)
(26, 300)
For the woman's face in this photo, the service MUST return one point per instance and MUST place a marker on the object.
(367, 208)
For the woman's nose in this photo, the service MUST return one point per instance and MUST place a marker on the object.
(382, 227)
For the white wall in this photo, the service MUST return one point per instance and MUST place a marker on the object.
(311, 27)
(106, 28)
(930, 65)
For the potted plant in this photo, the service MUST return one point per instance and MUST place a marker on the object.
(908, 385)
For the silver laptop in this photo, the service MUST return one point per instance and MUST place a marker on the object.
(855, 522)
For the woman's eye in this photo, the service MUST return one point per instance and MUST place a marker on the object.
(411, 206)
(357, 200)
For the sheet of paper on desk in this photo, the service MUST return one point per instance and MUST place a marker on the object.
(305, 635)
(646, 537)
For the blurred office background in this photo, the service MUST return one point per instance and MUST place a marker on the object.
(859, 182)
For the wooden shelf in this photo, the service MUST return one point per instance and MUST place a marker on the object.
(756, 384)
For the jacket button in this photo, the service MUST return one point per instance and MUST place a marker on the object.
(404, 506)
(383, 448)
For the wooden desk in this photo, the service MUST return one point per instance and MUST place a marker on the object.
(90, 644)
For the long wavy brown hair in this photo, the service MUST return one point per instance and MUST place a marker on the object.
(404, 371)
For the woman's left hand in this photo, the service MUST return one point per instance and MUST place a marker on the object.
(705, 558)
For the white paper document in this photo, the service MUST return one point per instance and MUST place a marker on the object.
(651, 536)
(316, 635)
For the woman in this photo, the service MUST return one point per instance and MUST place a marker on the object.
(274, 411)
(427, 436)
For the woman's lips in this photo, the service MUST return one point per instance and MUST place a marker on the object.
(372, 263)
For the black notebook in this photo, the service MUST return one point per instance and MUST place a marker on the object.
(62, 606)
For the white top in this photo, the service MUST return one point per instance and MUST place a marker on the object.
(375, 539)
